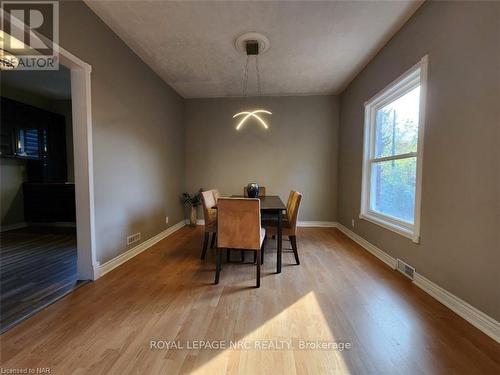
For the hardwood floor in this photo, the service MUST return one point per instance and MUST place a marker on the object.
(37, 267)
(339, 293)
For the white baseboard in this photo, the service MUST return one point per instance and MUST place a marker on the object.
(104, 268)
(374, 250)
(478, 319)
(5, 228)
(325, 224)
(317, 224)
(198, 222)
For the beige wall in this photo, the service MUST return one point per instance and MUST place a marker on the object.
(298, 151)
(138, 136)
(460, 248)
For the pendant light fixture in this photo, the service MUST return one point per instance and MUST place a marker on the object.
(252, 45)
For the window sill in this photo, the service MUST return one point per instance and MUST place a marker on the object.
(399, 229)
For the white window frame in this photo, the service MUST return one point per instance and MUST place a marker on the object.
(415, 76)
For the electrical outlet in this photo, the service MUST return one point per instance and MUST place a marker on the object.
(352, 223)
(166, 219)
(133, 238)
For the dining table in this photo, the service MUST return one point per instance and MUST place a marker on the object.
(271, 206)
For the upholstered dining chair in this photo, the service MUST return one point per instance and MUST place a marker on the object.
(216, 198)
(289, 223)
(209, 200)
(216, 194)
(262, 191)
(238, 227)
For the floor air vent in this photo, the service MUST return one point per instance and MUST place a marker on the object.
(405, 269)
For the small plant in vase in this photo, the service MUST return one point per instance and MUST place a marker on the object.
(192, 201)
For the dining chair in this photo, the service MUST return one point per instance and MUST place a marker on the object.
(238, 227)
(289, 224)
(216, 195)
(216, 198)
(262, 191)
(208, 200)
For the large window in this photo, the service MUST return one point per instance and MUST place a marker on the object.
(393, 146)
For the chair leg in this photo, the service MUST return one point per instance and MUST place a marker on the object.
(214, 236)
(258, 269)
(255, 257)
(218, 257)
(293, 241)
(205, 245)
(262, 251)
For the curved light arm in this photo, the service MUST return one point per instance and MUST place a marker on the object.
(252, 114)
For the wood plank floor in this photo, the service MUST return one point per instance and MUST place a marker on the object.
(37, 266)
(339, 293)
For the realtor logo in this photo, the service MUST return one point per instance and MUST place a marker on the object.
(29, 37)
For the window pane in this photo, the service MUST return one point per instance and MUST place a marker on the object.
(396, 130)
(393, 188)
(28, 144)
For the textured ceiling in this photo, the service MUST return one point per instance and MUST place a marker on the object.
(316, 47)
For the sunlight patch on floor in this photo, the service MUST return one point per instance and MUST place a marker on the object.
(288, 339)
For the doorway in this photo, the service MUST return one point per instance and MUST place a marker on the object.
(77, 242)
(38, 247)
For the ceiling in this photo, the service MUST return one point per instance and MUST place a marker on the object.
(316, 47)
(49, 84)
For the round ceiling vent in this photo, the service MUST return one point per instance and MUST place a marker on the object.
(241, 42)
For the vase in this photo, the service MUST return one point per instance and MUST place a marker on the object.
(253, 190)
(192, 216)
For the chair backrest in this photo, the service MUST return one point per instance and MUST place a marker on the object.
(262, 191)
(289, 202)
(216, 194)
(293, 206)
(238, 223)
(208, 201)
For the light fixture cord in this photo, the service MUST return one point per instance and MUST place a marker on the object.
(245, 78)
(259, 90)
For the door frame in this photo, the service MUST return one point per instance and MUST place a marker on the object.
(83, 163)
(83, 156)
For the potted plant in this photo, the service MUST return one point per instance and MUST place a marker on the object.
(193, 201)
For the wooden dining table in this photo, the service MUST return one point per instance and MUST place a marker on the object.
(273, 207)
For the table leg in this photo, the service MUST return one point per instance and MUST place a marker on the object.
(279, 243)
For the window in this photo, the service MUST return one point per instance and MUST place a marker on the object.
(393, 146)
(29, 145)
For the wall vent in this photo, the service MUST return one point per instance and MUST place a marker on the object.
(133, 238)
(405, 269)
